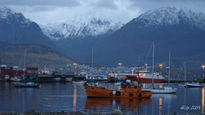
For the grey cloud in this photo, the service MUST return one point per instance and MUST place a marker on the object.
(107, 4)
(65, 3)
(152, 4)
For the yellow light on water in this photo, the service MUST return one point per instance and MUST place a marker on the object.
(202, 103)
(160, 106)
(74, 98)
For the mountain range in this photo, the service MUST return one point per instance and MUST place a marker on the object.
(80, 29)
(181, 31)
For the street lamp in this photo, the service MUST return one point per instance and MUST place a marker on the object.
(160, 66)
(203, 68)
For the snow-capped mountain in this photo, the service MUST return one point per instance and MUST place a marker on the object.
(16, 29)
(7, 14)
(180, 30)
(171, 16)
(80, 28)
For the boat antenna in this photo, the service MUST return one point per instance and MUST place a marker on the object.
(153, 64)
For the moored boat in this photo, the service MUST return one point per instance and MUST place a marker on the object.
(79, 82)
(126, 91)
(165, 90)
(193, 84)
(27, 85)
(146, 76)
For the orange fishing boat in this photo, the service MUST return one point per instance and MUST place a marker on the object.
(126, 91)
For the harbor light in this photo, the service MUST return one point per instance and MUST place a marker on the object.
(120, 64)
(203, 67)
(75, 64)
(160, 65)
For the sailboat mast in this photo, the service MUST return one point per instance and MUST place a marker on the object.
(153, 65)
(184, 72)
(24, 62)
(92, 58)
(169, 66)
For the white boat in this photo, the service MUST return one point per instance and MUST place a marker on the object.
(68, 79)
(193, 84)
(57, 79)
(165, 90)
(79, 82)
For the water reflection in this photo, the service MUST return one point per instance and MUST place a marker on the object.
(125, 104)
(74, 98)
(160, 106)
(202, 100)
(69, 97)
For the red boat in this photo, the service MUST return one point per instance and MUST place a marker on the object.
(142, 76)
(145, 76)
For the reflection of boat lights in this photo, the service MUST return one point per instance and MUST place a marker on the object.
(160, 101)
(202, 101)
(160, 106)
(74, 98)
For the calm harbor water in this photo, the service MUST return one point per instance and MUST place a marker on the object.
(69, 97)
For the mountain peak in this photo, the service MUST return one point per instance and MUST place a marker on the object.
(5, 12)
(8, 15)
(80, 28)
(171, 16)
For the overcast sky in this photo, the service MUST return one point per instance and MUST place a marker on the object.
(49, 11)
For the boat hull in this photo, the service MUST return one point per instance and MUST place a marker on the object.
(193, 85)
(26, 85)
(100, 92)
(161, 91)
(145, 80)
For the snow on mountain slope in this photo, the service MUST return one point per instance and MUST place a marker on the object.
(171, 16)
(7, 14)
(79, 28)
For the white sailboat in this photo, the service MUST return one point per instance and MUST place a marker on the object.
(164, 90)
(193, 84)
(168, 89)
